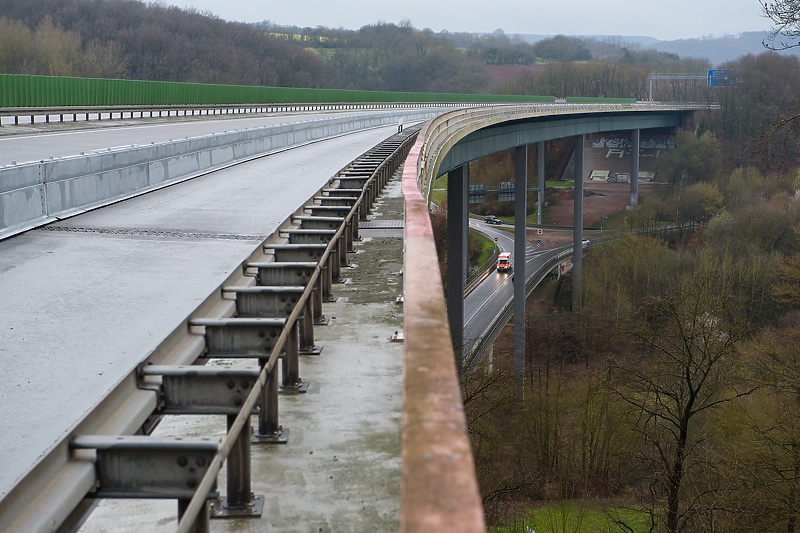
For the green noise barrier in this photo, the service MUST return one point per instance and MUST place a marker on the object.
(20, 90)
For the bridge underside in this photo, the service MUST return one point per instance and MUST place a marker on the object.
(519, 134)
(500, 137)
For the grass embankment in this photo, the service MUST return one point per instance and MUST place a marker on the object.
(486, 249)
(575, 517)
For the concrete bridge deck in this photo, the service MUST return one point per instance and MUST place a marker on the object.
(340, 470)
(85, 299)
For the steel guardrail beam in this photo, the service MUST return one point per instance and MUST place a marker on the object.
(196, 110)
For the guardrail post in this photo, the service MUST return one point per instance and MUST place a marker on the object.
(317, 236)
(293, 273)
(269, 430)
(265, 301)
(290, 365)
(250, 338)
(240, 501)
(334, 223)
(328, 211)
(309, 252)
(203, 390)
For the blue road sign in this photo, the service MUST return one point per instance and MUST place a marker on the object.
(720, 78)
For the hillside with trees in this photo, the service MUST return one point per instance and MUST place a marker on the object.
(669, 400)
(150, 41)
(134, 40)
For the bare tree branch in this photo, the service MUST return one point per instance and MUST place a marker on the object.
(785, 17)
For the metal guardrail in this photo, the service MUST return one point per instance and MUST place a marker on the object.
(206, 485)
(132, 407)
(28, 115)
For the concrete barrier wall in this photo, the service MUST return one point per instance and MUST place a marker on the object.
(36, 193)
(22, 196)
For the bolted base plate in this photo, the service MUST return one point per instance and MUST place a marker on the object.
(279, 437)
(297, 388)
(315, 350)
(253, 509)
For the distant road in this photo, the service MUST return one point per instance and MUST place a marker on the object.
(486, 301)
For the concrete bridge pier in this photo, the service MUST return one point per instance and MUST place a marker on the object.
(577, 225)
(457, 226)
(540, 195)
(634, 201)
(520, 223)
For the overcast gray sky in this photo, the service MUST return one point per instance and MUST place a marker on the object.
(662, 19)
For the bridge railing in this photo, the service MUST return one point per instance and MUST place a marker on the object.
(438, 489)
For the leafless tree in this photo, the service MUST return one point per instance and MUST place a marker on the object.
(688, 344)
(785, 17)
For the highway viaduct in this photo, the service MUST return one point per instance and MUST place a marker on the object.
(445, 146)
(438, 488)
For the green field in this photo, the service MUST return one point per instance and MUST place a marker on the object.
(575, 517)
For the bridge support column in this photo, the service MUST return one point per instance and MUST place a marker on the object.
(540, 184)
(634, 168)
(520, 212)
(457, 186)
(577, 226)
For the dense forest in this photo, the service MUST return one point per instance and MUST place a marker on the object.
(670, 399)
